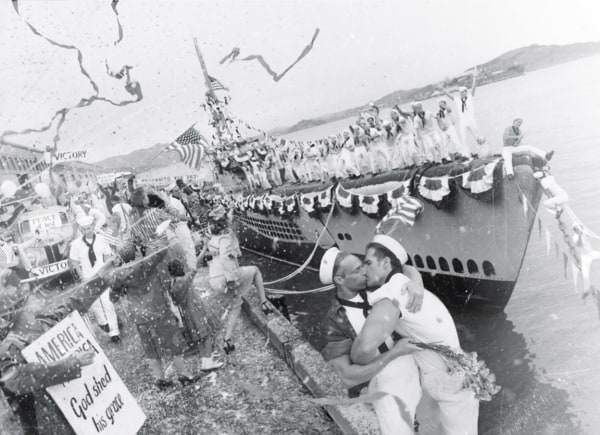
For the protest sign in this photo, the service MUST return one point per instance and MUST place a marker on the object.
(98, 402)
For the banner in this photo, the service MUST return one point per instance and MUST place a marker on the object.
(96, 403)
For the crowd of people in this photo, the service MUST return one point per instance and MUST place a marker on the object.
(403, 138)
(138, 246)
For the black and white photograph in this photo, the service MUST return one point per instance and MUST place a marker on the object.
(240, 217)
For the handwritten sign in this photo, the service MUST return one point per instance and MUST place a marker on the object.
(46, 221)
(96, 403)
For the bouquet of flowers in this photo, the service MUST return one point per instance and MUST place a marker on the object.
(477, 377)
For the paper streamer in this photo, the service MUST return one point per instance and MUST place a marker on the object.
(133, 88)
(235, 52)
(539, 221)
(114, 5)
(565, 262)
(524, 199)
(548, 237)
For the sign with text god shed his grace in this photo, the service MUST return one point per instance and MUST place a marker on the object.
(96, 403)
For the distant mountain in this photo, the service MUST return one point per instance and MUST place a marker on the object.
(525, 58)
(142, 159)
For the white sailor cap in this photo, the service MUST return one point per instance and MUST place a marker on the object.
(462, 89)
(327, 263)
(393, 245)
(85, 220)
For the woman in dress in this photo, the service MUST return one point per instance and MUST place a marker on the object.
(225, 273)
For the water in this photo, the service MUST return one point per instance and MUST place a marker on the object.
(545, 348)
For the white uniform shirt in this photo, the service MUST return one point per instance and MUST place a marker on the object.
(124, 212)
(432, 324)
(79, 252)
(467, 118)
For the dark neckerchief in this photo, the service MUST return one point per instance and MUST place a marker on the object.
(422, 116)
(364, 305)
(464, 104)
(442, 113)
(91, 253)
(516, 130)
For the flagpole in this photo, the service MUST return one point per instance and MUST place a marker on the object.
(210, 91)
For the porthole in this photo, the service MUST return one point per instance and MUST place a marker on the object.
(419, 261)
(431, 262)
(472, 267)
(457, 265)
(348, 236)
(444, 264)
(340, 236)
(409, 260)
(488, 268)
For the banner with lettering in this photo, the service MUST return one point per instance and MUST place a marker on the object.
(96, 403)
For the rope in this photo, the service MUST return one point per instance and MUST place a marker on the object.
(584, 229)
(310, 257)
(301, 292)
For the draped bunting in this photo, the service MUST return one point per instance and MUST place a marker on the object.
(344, 198)
(369, 204)
(434, 189)
(480, 179)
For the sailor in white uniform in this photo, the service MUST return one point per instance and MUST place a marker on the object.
(385, 258)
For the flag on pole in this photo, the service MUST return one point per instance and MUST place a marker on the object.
(190, 146)
(217, 85)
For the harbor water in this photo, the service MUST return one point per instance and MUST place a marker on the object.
(545, 347)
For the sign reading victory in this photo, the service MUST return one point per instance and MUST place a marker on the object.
(96, 403)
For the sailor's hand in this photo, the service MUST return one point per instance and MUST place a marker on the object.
(416, 293)
(86, 358)
(404, 347)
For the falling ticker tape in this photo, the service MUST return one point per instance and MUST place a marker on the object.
(132, 87)
(235, 52)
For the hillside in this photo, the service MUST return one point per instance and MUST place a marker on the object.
(529, 58)
(141, 159)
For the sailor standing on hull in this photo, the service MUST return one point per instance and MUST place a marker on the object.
(427, 135)
(451, 143)
(347, 161)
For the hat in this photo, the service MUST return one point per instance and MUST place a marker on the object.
(386, 123)
(217, 213)
(327, 263)
(415, 104)
(462, 89)
(393, 245)
(85, 220)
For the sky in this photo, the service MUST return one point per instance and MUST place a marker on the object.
(364, 51)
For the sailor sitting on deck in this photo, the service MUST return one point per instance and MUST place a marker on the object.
(385, 259)
(512, 145)
(393, 371)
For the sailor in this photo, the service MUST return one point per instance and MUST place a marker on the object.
(347, 160)
(389, 137)
(427, 135)
(385, 261)
(272, 166)
(333, 158)
(410, 154)
(87, 254)
(182, 230)
(362, 157)
(512, 139)
(313, 162)
(451, 143)
(378, 149)
(465, 109)
(393, 370)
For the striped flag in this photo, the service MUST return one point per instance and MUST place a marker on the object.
(404, 208)
(191, 147)
(217, 85)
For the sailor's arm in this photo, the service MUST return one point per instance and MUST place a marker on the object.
(377, 328)
(474, 82)
(356, 374)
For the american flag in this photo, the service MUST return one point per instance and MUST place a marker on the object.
(190, 147)
(404, 208)
(217, 85)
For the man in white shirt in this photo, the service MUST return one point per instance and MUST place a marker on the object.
(88, 253)
(182, 231)
(458, 409)
(122, 211)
